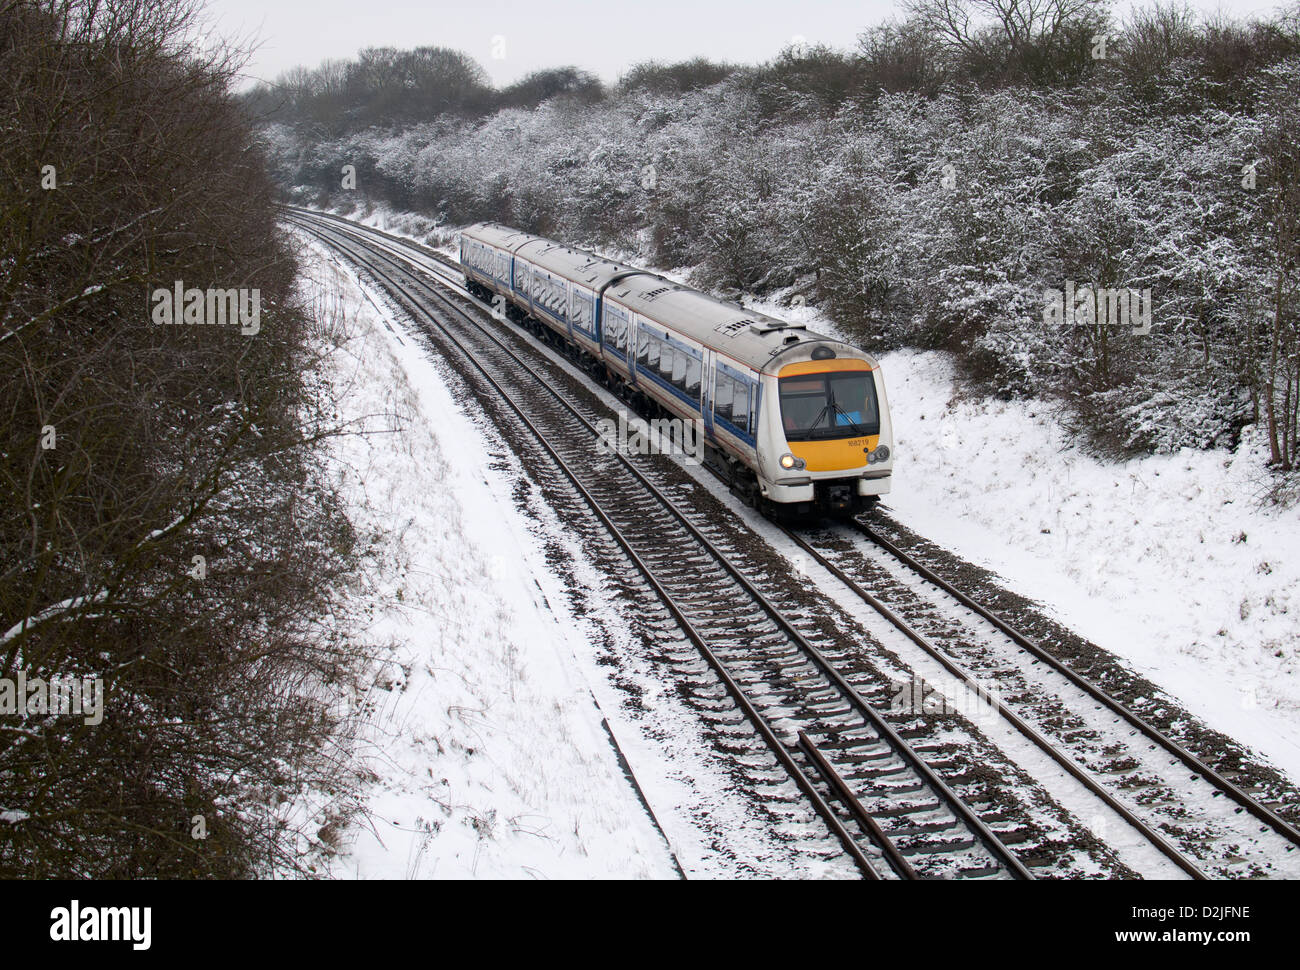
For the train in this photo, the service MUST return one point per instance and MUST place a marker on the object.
(795, 422)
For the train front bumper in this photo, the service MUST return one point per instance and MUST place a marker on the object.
(834, 494)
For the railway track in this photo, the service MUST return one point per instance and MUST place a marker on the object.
(893, 814)
(1144, 775)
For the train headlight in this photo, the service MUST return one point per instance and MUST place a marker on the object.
(880, 454)
(788, 462)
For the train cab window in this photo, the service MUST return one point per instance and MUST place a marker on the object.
(834, 405)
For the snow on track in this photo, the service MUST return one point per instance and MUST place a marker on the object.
(487, 755)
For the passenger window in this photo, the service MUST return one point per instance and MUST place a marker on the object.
(652, 355)
(666, 356)
(740, 407)
(723, 388)
(694, 368)
(679, 368)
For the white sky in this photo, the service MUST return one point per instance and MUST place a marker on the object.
(602, 36)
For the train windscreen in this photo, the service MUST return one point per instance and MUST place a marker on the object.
(834, 405)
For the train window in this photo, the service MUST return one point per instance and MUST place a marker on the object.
(753, 408)
(651, 358)
(680, 359)
(643, 348)
(582, 310)
(740, 409)
(611, 328)
(666, 355)
(723, 390)
(694, 368)
(616, 329)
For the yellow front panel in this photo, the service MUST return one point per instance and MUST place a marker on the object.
(836, 455)
(832, 366)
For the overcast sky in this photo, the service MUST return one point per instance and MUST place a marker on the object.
(512, 37)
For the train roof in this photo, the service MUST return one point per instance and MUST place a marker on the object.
(755, 339)
(577, 265)
(495, 234)
(762, 342)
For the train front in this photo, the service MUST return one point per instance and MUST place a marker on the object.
(829, 436)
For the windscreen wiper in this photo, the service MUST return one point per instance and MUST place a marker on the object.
(812, 428)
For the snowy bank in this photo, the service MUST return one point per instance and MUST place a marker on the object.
(484, 752)
(1167, 561)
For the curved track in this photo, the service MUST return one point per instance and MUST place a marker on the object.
(892, 813)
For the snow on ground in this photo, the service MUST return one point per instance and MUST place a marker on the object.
(1167, 561)
(485, 750)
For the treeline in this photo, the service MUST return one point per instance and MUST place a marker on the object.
(166, 530)
(941, 45)
(929, 189)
